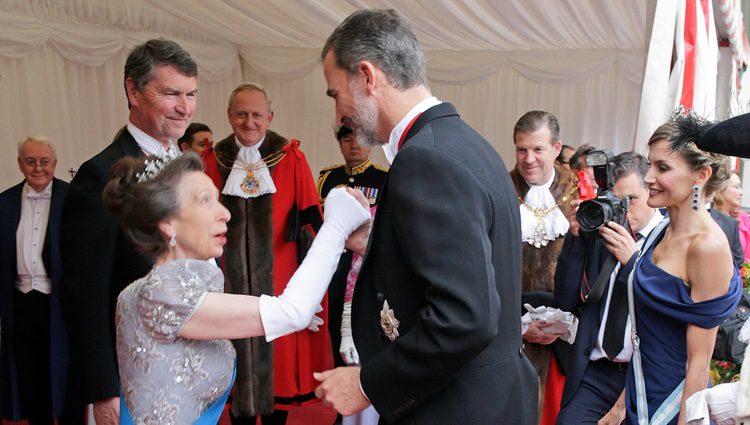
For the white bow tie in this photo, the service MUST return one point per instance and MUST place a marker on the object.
(39, 195)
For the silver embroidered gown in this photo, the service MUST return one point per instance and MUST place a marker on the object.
(167, 379)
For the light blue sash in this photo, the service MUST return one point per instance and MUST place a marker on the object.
(209, 417)
(671, 406)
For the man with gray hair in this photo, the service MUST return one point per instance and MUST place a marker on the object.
(160, 82)
(34, 361)
(269, 189)
(435, 311)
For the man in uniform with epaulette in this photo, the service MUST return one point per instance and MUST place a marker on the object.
(358, 172)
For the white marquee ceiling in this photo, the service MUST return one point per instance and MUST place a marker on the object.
(494, 59)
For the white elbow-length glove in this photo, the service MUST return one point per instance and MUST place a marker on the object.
(292, 310)
(347, 349)
(316, 321)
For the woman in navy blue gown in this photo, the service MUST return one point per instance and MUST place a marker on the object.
(685, 281)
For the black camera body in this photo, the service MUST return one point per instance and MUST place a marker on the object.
(595, 213)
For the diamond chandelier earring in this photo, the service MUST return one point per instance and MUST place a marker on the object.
(172, 241)
(696, 196)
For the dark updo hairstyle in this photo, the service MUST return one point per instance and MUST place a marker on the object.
(142, 206)
(681, 133)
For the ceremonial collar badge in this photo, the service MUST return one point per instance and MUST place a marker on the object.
(250, 174)
(388, 322)
(250, 184)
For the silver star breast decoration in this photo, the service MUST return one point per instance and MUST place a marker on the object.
(388, 322)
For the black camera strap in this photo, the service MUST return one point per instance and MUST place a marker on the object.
(594, 293)
(597, 289)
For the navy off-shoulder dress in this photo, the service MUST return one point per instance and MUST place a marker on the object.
(663, 310)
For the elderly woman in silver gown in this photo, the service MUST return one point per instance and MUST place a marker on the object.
(173, 325)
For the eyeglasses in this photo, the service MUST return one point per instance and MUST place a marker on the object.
(33, 162)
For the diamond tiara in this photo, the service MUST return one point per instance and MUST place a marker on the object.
(156, 163)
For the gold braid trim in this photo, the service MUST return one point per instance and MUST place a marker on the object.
(267, 161)
(549, 210)
(359, 169)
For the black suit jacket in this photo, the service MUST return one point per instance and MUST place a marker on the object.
(731, 228)
(99, 262)
(445, 253)
(568, 278)
(10, 216)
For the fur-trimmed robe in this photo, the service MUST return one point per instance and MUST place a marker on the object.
(539, 264)
(260, 258)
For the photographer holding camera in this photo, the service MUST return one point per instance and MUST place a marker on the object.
(604, 234)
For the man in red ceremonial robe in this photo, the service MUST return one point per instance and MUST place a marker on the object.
(269, 189)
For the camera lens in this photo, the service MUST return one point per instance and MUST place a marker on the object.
(592, 215)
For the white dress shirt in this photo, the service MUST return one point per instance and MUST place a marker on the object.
(627, 348)
(32, 229)
(151, 146)
(391, 149)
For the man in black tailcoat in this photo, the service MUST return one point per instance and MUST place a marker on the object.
(160, 84)
(435, 311)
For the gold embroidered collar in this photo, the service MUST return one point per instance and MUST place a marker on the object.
(359, 169)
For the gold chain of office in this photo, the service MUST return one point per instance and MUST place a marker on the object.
(250, 184)
(539, 235)
(269, 161)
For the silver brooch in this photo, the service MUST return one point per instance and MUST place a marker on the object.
(388, 322)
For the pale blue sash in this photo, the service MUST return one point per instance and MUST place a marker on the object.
(671, 406)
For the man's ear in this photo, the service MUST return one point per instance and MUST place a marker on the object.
(369, 73)
(131, 89)
(557, 147)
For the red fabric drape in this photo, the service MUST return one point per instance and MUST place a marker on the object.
(552, 393)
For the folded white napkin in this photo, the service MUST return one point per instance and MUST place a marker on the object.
(562, 322)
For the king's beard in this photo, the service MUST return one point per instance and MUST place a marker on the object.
(365, 119)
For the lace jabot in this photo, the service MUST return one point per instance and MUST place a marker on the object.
(541, 218)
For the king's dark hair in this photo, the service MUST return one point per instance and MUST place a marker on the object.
(383, 38)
